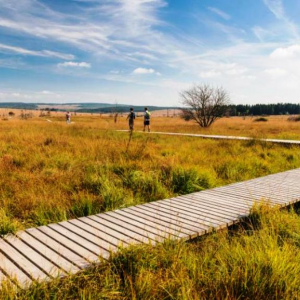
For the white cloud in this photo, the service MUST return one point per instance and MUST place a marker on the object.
(210, 74)
(276, 72)
(287, 52)
(220, 13)
(42, 53)
(142, 71)
(73, 64)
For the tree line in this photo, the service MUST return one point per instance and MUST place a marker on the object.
(264, 109)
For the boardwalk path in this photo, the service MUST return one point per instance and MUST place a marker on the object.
(68, 247)
(223, 137)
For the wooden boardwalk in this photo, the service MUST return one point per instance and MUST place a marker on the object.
(45, 252)
(222, 137)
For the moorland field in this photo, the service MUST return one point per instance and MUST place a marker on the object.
(53, 171)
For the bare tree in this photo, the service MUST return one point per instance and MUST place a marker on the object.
(204, 104)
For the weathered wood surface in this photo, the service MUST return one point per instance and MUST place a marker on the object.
(45, 252)
(222, 137)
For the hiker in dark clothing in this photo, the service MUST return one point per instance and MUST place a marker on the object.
(147, 119)
(131, 117)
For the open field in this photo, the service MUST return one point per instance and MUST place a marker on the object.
(51, 171)
(276, 126)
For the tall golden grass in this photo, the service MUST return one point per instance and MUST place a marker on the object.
(52, 171)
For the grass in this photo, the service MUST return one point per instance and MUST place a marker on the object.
(258, 259)
(53, 171)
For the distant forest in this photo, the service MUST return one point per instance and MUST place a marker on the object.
(234, 110)
(265, 109)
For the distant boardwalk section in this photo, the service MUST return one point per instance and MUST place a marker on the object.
(45, 252)
(224, 137)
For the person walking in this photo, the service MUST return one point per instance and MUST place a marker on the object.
(68, 117)
(131, 117)
(147, 115)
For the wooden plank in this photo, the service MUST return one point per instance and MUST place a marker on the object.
(169, 219)
(90, 237)
(189, 216)
(157, 221)
(23, 263)
(82, 242)
(47, 252)
(257, 196)
(224, 200)
(123, 238)
(174, 215)
(145, 236)
(220, 208)
(115, 242)
(267, 186)
(65, 251)
(279, 196)
(191, 205)
(141, 223)
(193, 216)
(219, 197)
(73, 246)
(13, 272)
(242, 197)
(45, 265)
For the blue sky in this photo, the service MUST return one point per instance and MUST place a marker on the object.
(148, 51)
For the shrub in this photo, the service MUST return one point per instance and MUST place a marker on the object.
(294, 119)
(261, 119)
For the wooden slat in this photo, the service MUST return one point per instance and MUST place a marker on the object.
(141, 223)
(143, 235)
(45, 265)
(193, 207)
(174, 215)
(203, 203)
(23, 263)
(113, 241)
(73, 246)
(218, 197)
(78, 240)
(154, 221)
(14, 272)
(64, 250)
(169, 219)
(103, 245)
(124, 239)
(48, 253)
(193, 216)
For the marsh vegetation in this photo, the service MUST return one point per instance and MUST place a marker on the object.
(51, 171)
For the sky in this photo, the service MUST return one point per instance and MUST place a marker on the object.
(145, 52)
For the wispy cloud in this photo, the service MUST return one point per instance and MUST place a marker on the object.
(42, 53)
(74, 64)
(277, 8)
(220, 13)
